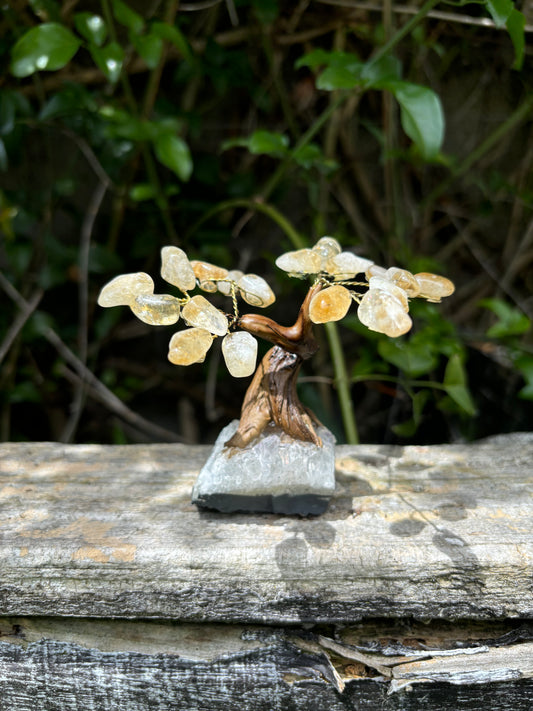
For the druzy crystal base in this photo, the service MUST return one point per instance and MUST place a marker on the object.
(275, 474)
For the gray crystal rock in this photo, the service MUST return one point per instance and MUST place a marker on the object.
(275, 474)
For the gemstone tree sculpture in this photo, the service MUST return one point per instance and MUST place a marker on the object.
(271, 402)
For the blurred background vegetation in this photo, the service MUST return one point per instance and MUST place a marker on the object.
(237, 130)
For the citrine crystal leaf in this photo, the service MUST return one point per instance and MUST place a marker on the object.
(176, 269)
(300, 262)
(382, 312)
(377, 282)
(240, 353)
(207, 274)
(405, 280)
(346, 265)
(156, 309)
(189, 346)
(327, 247)
(255, 290)
(330, 304)
(199, 312)
(123, 289)
(434, 287)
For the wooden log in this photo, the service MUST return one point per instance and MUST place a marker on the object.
(423, 532)
(69, 664)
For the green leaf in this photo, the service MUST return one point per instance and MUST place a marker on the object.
(173, 152)
(91, 26)
(261, 142)
(421, 115)
(268, 142)
(343, 71)
(500, 10)
(149, 47)
(313, 60)
(455, 384)
(146, 191)
(49, 46)
(309, 155)
(109, 60)
(512, 322)
(515, 24)
(334, 78)
(378, 74)
(128, 17)
(122, 124)
(170, 33)
(411, 357)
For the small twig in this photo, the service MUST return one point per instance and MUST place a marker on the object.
(232, 12)
(97, 388)
(200, 5)
(18, 324)
(348, 653)
(83, 306)
(255, 205)
(477, 252)
(112, 404)
(89, 155)
(518, 115)
(453, 17)
(105, 395)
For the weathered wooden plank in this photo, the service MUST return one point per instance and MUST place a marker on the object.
(443, 531)
(64, 665)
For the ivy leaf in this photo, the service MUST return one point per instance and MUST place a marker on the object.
(173, 152)
(91, 26)
(109, 59)
(455, 384)
(49, 46)
(128, 17)
(421, 116)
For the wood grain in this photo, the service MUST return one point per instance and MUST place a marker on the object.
(72, 664)
(423, 532)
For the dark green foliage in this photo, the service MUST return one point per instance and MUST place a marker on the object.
(239, 131)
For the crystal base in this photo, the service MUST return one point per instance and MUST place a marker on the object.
(275, 474)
